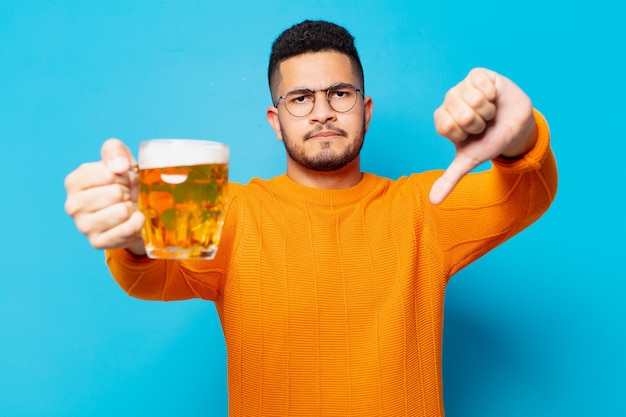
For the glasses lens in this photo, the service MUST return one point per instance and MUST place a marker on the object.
(299, 103)
(342, 97)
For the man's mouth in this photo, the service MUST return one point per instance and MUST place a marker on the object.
(325, 134)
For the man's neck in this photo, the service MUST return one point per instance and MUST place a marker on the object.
(346, 177)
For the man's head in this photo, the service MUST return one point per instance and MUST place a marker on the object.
(311, 36)
(318, 108)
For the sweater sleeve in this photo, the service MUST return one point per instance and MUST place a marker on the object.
(164, 280)
(489, 207)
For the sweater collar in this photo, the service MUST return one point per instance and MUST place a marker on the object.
(286, 189)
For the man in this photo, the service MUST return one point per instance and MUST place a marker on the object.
(329, 281)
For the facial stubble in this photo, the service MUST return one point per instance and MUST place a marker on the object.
(325, 159)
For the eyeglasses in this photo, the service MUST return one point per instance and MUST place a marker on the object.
(340, 97)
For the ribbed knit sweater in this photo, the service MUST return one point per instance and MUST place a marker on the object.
(332, 301)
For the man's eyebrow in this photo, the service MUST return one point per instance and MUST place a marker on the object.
(300, 90)
(340, 85)
(308, 90)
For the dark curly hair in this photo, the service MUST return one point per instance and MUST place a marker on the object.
(312, 36)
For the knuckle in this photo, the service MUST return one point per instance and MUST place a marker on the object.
(451, 95)
(68, 182)
(127, 231)
(445, 126)
(70, 208)
(478, 75)
(122, 193)
(71, 180)
(480, 79)
(465, 118)
(484, 83)
(474, 99)
(477, 127)
(113, 194)
(83, 228)
(489, 111)
(123, 211)
(98, 242)
(129, 209)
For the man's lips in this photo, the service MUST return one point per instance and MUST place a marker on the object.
(324, 134)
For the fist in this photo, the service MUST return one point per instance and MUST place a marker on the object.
(102, 199)
(485, 116)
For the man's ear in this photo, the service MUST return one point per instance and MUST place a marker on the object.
(368, 105)
(274, 121)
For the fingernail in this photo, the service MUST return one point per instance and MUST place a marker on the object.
(118, 164)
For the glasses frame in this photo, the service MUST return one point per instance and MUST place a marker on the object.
(314, 94)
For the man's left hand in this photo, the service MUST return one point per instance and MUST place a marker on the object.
(485, 116)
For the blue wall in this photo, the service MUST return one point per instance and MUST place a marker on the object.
(536, 328)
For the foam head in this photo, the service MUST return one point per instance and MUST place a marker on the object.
(159, 153)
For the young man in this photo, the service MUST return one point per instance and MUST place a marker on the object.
(329, 281)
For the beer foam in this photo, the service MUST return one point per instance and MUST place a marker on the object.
(159, 153)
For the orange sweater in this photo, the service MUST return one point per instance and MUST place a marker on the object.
(332, 301)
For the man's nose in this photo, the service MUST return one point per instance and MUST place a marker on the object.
(322, 112)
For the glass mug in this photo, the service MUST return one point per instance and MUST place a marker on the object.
(182, 194)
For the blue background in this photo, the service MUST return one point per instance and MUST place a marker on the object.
(535, 328)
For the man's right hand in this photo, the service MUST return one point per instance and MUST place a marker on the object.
(102, 200)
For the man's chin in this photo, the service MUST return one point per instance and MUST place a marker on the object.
(323, 155)
(328, 161)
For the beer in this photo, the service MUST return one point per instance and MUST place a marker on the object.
(182, 194)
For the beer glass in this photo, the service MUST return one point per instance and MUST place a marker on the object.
(182, 194)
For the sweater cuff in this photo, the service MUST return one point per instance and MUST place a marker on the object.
(129, 261)
(533, 159)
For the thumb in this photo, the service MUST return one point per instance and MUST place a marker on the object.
(444, 185)
(117, 156)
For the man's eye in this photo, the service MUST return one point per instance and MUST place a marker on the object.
(300, 99)
(340, 93)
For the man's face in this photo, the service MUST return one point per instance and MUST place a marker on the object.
(324, 140)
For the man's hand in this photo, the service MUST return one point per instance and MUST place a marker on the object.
(485, 116)
(102, 200)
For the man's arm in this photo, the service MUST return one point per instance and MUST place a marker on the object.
(489, 207)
